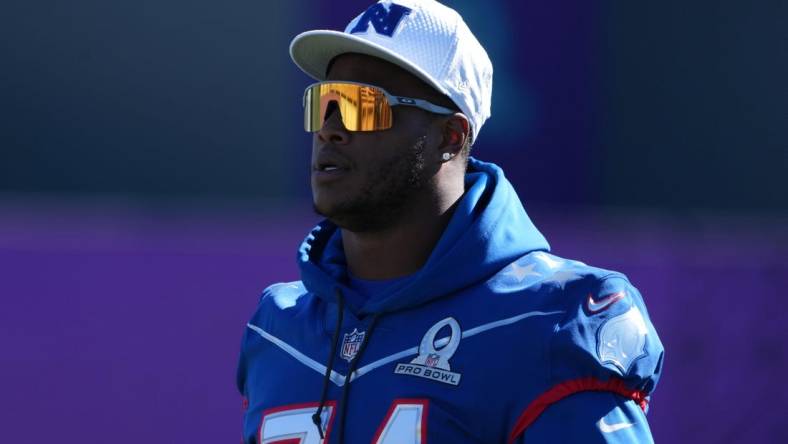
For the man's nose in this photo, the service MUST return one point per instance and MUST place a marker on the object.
(333, 130)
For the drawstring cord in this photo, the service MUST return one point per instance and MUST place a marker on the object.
(346, 388)
(316, 419)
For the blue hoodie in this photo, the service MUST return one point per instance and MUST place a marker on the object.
(493, 340)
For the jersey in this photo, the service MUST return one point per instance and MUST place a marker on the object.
(494, 340)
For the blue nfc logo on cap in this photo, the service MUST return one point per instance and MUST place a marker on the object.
(384, 21)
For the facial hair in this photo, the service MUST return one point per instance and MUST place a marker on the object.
(386, 191)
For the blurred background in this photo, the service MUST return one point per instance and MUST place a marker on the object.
(154, 179)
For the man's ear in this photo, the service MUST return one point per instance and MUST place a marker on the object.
(456, 131)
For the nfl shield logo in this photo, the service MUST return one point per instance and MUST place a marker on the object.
(351, 343)
(432, 360)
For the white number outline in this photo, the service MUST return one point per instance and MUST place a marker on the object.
(311, 408)
(398, 405)
(381, 436)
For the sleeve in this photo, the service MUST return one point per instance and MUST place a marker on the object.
(240, 372)
(283, 295)
(590, 418)
(605, 350)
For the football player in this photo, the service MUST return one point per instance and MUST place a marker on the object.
(430, 308)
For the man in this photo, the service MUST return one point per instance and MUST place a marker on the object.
(429, 308)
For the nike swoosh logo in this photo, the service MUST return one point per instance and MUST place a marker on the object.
(610, 428)
(605, 302)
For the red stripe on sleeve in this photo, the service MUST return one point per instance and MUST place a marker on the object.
(564, 389)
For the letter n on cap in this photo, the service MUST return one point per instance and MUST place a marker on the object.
(384, 21)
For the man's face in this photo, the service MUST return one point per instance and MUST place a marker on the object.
(380, 172)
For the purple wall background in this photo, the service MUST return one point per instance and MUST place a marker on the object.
(121, 322)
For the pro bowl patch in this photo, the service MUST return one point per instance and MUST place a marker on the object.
(433, 360)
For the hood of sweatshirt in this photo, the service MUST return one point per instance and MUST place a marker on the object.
(488, 230)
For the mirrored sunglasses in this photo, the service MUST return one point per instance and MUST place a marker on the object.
(362, 107)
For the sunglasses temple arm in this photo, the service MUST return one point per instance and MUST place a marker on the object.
(423, 104)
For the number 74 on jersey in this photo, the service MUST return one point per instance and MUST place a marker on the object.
(405, 423)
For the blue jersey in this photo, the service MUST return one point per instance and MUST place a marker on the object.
(493, 340)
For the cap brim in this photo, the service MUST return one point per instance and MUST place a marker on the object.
(312, 51)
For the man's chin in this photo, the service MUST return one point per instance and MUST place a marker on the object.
(329, 210)
(319, 210)
(351, 219)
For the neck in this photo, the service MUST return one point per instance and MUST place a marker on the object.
(402, 248)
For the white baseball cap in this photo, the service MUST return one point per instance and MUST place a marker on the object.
(424, 37)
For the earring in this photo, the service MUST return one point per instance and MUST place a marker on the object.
(446, 156)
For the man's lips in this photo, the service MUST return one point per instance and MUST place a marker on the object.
(328, 163)
(329, 168)
(329, 175)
